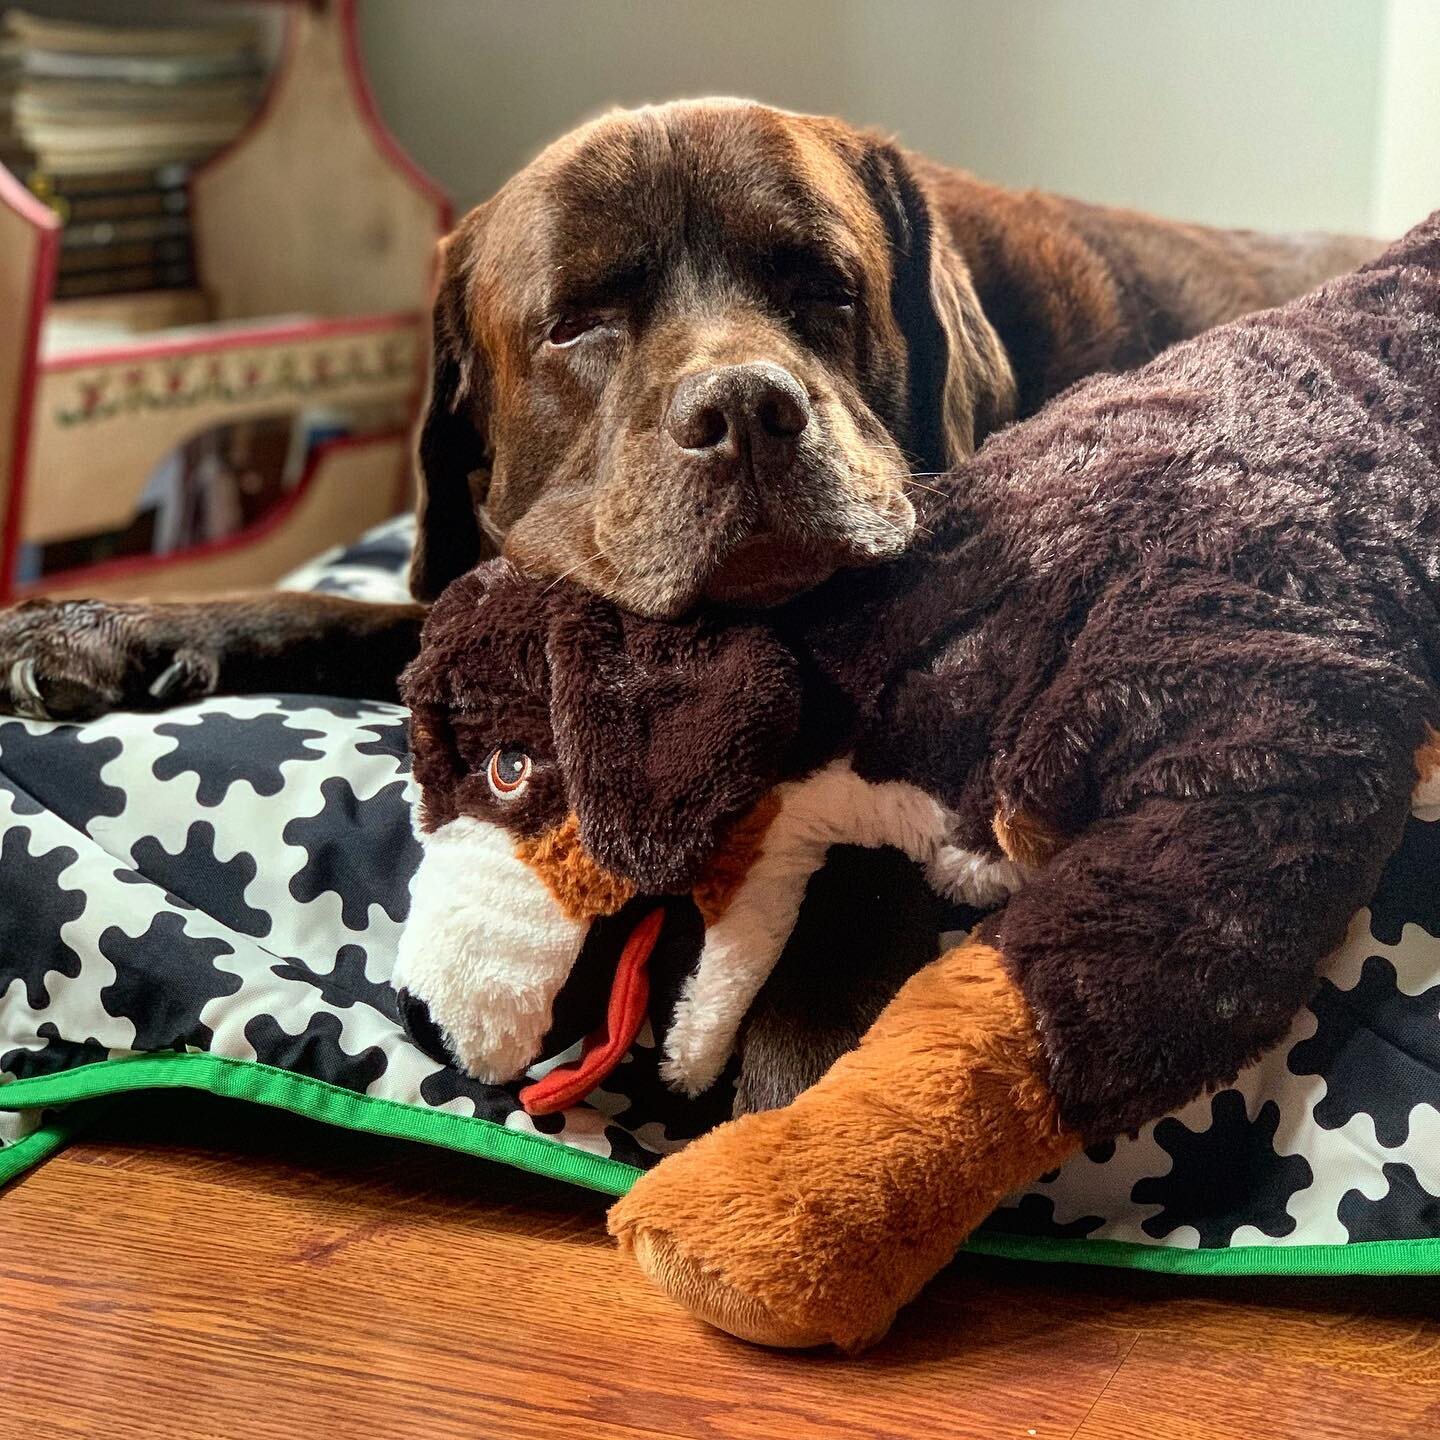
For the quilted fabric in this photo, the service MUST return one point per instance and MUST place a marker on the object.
(212, 897)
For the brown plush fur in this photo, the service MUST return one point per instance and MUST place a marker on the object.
(1187, 617)
(817, 1222)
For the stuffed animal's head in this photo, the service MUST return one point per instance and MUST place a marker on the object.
(570, 757)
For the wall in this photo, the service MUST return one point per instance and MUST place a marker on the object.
(1407, 159)
(1248, 112)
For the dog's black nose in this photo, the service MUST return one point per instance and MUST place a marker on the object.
(420, 1026)
(760, 406)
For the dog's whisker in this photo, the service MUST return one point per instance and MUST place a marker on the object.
(559, 579)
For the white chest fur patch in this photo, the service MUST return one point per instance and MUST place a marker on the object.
(486, 947)
(832, 807)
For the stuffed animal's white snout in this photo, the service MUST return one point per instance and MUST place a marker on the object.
(486, 948)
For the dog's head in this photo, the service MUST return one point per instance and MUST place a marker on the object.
(695, 352)
(570, 757)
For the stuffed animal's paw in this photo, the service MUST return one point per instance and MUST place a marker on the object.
(697, 1047)
(743, 1230)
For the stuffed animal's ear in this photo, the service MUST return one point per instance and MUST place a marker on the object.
(961, 385)
(453, 454)
(666, 734)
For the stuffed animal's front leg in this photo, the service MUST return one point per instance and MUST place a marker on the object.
(816, 1222)
(753, 894)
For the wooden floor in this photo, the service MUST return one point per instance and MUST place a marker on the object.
(202, 1269)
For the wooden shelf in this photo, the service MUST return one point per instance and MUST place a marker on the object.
(315, 240)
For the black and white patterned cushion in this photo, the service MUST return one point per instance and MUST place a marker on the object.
(212, 897)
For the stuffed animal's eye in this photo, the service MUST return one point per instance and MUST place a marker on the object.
(508, 773)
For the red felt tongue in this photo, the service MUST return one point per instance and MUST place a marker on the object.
(603, 1050)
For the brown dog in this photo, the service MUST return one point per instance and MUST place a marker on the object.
(698, 352)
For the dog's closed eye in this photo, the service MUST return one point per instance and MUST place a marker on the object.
(569, 328)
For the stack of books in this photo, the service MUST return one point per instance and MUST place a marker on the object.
(103, 123)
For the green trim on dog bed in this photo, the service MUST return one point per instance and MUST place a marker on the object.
(304, 1095)
(1358, 1257)
(470, 1135)
(22, 1155)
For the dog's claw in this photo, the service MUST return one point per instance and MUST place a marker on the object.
(71, 660)
(169, 680)
(25, 696)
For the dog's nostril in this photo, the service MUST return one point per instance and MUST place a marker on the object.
(783, 413)
(722, 410)
(702, 428)
(420, 1026)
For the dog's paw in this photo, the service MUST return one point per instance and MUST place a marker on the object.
(76, 659)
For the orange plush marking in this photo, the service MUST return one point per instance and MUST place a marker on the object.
(1427, 757)
(737, 853)
(567, 1085)
(581, 888)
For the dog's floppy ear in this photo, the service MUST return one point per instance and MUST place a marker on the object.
(666, 734)
(453, 446)
(960, 380)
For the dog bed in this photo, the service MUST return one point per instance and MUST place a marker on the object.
(211, 897)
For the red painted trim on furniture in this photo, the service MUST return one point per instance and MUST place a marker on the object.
(30, 207)
(380, 132)
(47, 224)
(209, 341)
(272, 521)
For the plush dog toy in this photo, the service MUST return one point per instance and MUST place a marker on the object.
(623, 757)
(1164, 664)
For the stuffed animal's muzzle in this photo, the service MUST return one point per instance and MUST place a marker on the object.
(485, 951)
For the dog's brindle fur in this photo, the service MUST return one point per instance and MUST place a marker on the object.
(890, 311)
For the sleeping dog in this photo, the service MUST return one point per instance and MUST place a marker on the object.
(701, 353)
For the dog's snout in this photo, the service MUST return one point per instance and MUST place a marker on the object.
(420, 1026)
(759, 406)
